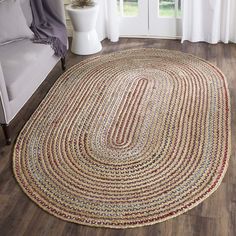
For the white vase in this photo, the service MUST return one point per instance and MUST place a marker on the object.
(85, 39)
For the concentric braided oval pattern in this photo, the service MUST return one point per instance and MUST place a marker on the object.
(127, 139)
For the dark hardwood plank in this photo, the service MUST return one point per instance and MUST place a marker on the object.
(216, 216)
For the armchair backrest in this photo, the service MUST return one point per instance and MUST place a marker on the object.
(25, 5)
(59, 8)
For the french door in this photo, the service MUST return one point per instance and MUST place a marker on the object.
(157, 18)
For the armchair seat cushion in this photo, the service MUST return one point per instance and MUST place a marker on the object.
(20, 62)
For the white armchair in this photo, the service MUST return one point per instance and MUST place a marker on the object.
(23, 67)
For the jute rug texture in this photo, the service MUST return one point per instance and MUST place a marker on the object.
(127, 139)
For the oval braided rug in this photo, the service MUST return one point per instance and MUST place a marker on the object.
(127, 139)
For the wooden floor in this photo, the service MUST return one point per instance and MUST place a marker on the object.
(216, 216)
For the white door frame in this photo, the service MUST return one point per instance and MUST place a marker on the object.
(148, 23)
(135, 25)
(163, 27)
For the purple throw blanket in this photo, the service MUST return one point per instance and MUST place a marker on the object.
(47, 26)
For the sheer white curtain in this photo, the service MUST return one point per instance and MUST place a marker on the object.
(112, 20)
(108, 20)
(209, 20)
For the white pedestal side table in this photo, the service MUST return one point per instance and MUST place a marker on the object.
(85, 39)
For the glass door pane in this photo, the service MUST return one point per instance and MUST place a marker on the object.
(128, 7)
(169, 8)
(166, 8)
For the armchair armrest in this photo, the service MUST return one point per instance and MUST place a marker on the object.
(4, 101)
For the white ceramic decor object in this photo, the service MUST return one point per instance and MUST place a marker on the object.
(85, 39)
